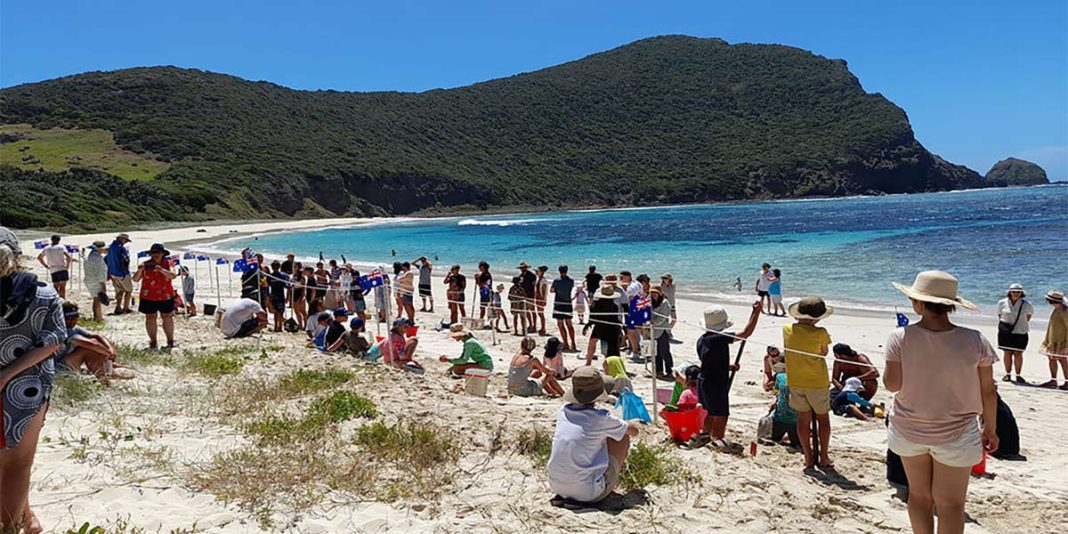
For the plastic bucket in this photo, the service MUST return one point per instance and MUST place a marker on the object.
(663, 395)
(979, 469)
(379, 339)
(209, 309)
(684, 424)
(476, 382)
(412, 331)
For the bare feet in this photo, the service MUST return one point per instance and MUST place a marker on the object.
(31, 525)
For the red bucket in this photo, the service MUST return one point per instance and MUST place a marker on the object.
(412, 331)
(979, 469)
(379, 338)
(684, 424)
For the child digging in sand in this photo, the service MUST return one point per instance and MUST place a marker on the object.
(806, 346)
(524, 371)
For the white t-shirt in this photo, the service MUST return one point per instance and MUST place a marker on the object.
(240, 310)
(1007, 313)
(763, 281)
(580, 453)
(55, 257)
(633, 290)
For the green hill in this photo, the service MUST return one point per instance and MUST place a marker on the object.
(662, 120)
(1014, 171)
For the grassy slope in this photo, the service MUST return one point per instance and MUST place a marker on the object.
(58, 149)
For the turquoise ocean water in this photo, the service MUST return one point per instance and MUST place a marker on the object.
(846, 249)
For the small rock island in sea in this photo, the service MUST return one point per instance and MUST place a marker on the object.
(1012, 171)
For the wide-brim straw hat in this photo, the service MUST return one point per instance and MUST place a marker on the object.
(716, 318)
(587, 387)
(810, 308)
(1055, 296)
(523, 265)
(99, 245)
(1016, 287)
(606, 292)
(457, 331)
(937, 287)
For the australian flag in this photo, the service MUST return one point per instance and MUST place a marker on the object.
(641, 311)
(188, 256)
(73, 249)
(40, 244)
(203, 258)
(902, 320)
(372, 279)
(143, 254)
(221, 261)
(243, 265)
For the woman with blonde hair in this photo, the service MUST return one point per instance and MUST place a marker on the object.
(31, 331)
(943, 378)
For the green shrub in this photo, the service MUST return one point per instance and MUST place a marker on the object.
(341, 406)
(71, 389)
(138, 357)
(535, 443)
(418, 445)
(654, 466)
(304, 381)
(222, 362)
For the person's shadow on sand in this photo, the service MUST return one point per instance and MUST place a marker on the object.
(613, 504)
(831, 477)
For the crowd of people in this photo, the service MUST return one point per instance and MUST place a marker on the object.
(942, 417)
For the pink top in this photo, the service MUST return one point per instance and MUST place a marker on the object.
(397, 354)
(940, 393)
(689, 397)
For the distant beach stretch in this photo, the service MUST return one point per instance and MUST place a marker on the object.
(586, 331)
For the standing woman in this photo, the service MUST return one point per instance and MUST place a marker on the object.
(96, 277)
(1055, 345)
(299, 301)
(31, 331)
(1014, 313)
(157, 294)
(944, 379)
(607, 327)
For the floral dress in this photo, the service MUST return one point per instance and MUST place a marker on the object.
(40, 326)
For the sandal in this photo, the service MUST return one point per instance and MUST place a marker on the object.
(1049, 384)
(698, 441)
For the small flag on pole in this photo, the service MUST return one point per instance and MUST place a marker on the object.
(902, 320)
(188, 256)
(73, 249)
(142, 254)
(40, 244)
(372, 279)
(203, 258)
(221, 261)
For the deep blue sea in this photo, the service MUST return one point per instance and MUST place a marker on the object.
(846, 249)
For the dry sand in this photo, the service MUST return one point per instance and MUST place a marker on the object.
(131, 453)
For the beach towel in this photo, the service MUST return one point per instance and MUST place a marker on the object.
(633, 406)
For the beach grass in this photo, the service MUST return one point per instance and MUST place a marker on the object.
(217, 363)
(88, 323)
(57, 149)
(302, 382)
(138, 357)
(339, 407)
(655, 465)
(74, 389)
(321, 413)
(535, 443)
(420, 458)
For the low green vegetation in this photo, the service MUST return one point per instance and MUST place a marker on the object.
(321, 414)
(536, 443)
(89, 324)
(417, 459)
(139, 357)
(654, 466)
(74, 389)
(310, 381)
(218, 363)
(59, 149)
(341, 406)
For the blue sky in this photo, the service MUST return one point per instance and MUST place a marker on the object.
(979, 80)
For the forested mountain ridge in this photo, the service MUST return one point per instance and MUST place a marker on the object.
(662, 120)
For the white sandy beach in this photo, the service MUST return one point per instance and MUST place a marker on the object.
(132, 452)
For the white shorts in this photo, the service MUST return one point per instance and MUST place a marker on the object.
(776, 299)
(965, 451)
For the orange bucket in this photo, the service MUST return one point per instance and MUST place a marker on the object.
(684, 424)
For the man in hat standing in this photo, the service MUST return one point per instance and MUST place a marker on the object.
(806, 348)
(96, 277)
(118, 260)
(57, 260)
(590, 444)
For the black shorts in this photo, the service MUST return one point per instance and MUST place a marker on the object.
(61, 276)
(188, 297)
(279, 305)
(562, 311)
(714, 396)
(424, 290)
(762, 293)
(152, 307)
(1012, 342)
(247, 328)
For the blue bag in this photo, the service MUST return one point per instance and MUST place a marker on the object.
(633, 406)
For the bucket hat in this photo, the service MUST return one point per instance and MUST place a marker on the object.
(587, 387)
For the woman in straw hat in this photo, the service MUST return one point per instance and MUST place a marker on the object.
(604, 319)
(96, 277)
(1055, 345)
(943, 378)
(473, 356)
(1014, 313)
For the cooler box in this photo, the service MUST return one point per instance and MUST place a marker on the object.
(684, 424)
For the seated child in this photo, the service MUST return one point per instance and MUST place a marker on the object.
(689, 396)
(359, 344)
(784, 418)
(616, 371)
(323, 321)
(554, 358)
(848, 403)
(399, 351)
(590, 444)
(83, 347)
(524, 371)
